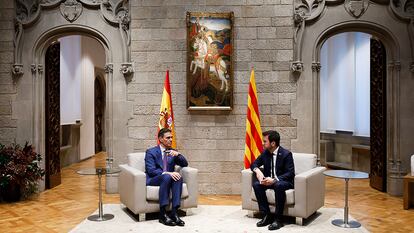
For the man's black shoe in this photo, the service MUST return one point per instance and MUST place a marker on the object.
(266, 220)
(177, 220)
(275, 225)
(164, 219)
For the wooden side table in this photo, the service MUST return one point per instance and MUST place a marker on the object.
(408, 197)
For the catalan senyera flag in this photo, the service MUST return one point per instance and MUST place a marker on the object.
(254, 139)
(166, 110)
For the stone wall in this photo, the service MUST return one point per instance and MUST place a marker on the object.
(7, 86)
(212, 143)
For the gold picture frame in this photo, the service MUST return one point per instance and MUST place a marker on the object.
(210, 78)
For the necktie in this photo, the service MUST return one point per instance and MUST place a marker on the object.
(273, 169)
(164, 161)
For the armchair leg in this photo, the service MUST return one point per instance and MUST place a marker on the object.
(141, 217)
(299, 221)
(250, 213)
(188, 212)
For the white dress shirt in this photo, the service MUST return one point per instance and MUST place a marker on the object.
(162, 154)
(162, 151)
(274, 162)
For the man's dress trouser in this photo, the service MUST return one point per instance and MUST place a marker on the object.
(167, 183)
(280, 196)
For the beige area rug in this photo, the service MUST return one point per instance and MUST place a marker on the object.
(208, 218)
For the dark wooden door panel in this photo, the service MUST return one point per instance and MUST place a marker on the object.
(52, 116)
(378, 114)
(99, 113)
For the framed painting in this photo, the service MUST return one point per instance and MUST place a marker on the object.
(210, 61)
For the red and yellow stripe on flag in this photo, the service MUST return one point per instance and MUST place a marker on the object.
(166, 110)
(254, 139)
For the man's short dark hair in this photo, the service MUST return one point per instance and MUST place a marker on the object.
(273, 136)
(163, 131)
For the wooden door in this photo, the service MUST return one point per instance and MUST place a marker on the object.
(99, 113)
(52, 115)
(378, 138)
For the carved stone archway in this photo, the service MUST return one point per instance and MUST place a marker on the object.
(316, 21)
(38, 24)
(309, 12)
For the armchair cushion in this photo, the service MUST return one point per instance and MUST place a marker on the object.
(303, 162)
(270, 194)
(152, 192)
(136, 160)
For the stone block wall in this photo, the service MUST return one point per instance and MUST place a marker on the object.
(214, 143)
(8, 123)
(263, 40)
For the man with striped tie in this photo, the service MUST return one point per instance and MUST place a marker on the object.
(278, 174)
(159, 167)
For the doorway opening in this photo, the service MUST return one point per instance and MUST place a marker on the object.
(72, 100)
(353, 105)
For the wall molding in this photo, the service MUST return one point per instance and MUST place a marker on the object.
(309, 11)
(115, 13)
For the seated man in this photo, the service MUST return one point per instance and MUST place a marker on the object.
(159, 167)
(278, 174)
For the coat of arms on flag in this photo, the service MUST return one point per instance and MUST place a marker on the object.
(166, 119)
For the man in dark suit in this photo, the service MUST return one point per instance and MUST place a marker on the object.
(159, 167)
(278, 174)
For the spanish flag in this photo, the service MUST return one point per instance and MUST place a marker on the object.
(166, 110)
(253, 146)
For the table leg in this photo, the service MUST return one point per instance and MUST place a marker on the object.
(406, 201)
(344, 222)
(100, 206)
(346, 208)
(100, 216)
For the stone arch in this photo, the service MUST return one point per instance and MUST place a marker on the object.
(386, 36)
(106, 22)
(39, 53)
(66, 30)
(312, 29)
(392, 51)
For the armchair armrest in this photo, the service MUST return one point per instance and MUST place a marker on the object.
(132, 187)
(310, 191)
(246, 188)
(190, 177)
(189, 174)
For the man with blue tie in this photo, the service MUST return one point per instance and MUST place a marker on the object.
(159, 167)
(278, 174)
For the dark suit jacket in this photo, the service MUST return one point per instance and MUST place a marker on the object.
(154, 165)
(285, 169)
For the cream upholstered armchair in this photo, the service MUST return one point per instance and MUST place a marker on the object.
(302, 201)
(142, 199)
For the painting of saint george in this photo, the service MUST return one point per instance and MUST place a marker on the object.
(209, 61)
